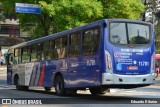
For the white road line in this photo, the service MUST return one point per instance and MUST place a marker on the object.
(7, 87)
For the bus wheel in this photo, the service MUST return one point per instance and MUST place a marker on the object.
(18, 87)
(59, 85)
(16, 82)
(95, 91)
(47, 89)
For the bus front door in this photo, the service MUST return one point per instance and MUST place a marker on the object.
(9, 69)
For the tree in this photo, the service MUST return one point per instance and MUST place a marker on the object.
(152, 6)
(2, 18)
(130, 9)
(59, 15)
(73, 13)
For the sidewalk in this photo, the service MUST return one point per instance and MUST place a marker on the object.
(3, 69)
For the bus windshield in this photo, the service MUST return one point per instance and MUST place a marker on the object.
(129, 33)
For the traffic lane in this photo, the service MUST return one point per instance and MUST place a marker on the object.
(41, 93)
(152, 91)
(152, 88)
(82, 100)
(157, 81)
(51, 98)
(117, 97)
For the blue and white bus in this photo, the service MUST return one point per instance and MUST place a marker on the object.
(110, 53)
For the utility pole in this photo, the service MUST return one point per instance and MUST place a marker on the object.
(143, 15)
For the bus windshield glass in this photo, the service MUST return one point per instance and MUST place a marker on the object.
(129, 33)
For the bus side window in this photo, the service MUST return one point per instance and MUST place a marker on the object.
(25, 54)
(74, 45)
(64, 47)
(10, 56)
(17, 56)
(96, 39)
(53, 47)
(91, 40)
(47, 50)
(61, 47)
(56, 47)
(34, 52)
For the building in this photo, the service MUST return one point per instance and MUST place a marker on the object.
(10, 33)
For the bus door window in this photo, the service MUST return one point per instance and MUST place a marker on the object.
(11, 56)
(74, 45)
(91, 39)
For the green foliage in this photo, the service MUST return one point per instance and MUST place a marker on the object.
(130, 9)
(73, 13)
(59, 15)
(157, 35)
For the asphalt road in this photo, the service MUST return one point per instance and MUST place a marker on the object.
(117, 97)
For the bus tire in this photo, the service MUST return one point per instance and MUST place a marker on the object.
(47, 89)
(96, 91)
(16, 81)
(59, 85)
(18, 87)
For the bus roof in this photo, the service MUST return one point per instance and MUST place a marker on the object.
(87, 26)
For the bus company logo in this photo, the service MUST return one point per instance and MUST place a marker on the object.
(6, 101)
(116, 54)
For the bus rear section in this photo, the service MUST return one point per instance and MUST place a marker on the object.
(129, 54)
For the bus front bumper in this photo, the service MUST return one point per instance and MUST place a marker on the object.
(116, 79)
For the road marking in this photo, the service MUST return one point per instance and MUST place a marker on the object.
(7, 87)
(4, 106)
